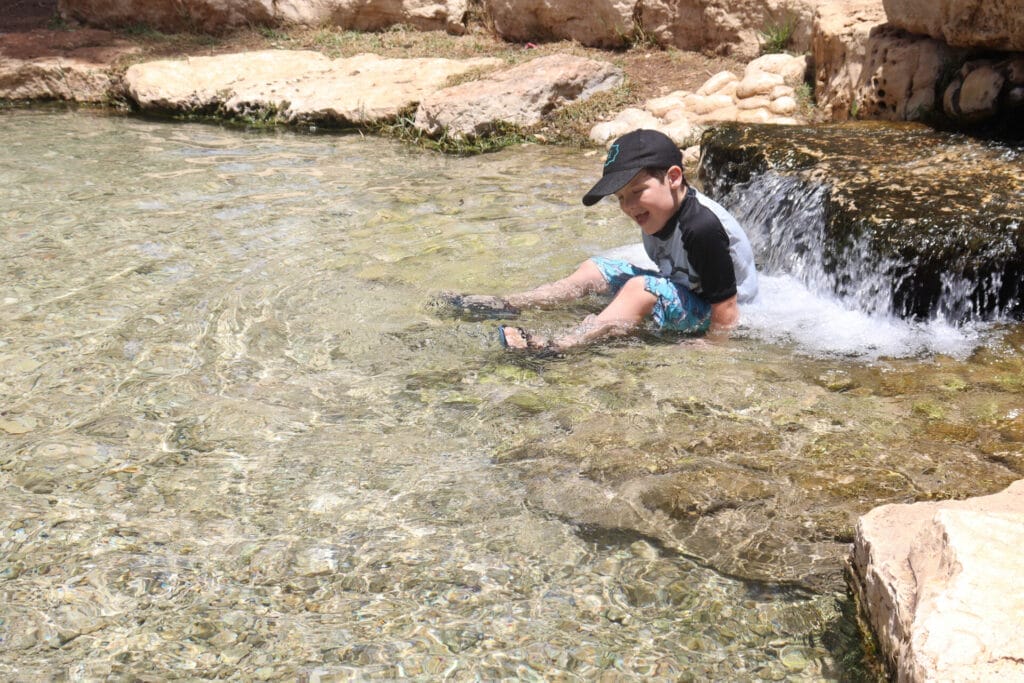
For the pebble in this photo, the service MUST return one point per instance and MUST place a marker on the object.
(18, 425)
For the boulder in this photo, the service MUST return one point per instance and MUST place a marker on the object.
(838, 50)
(293, 86)
(758, 83)
(724, 26)
(629, 119)
(792, 69)
(763, 96)
(733, 27)
(939, 582)
(900, 77)
(60, 65)
(962, 23)
(597, 23)
(987, 92)
(976, 94)
(521, 96)
(718, 83)
(215, 16)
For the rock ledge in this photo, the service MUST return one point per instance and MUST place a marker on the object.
(940, 585)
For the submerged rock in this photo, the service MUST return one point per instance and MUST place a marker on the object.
(919, 223)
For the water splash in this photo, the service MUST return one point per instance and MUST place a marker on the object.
(829, 306)
(787, 311)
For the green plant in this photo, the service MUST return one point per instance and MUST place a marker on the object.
(57, 23)
(500, 135)
(778, 36)
(271, 33)
(804, 95)
(571, 124)
(143, 30)
(640, 38)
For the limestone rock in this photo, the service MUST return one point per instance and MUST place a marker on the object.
(973, 236)
(73, 66)
(218, 15)
(169, 15)
(962, 23)
(984, 89)
(940, 583)
(791, 68)
(838, 49)
(522, 95)
(293, 86)
(758, 83)
(597, 23)
(375, 15)
(718, 83)
(763, 96)
(900, 75)
(628, 119)
(783, 106)
(726, 26)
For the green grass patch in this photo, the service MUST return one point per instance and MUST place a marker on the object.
(778, 36)
(571, 124)
(403, 128)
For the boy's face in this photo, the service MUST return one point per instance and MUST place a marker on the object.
(651, 201)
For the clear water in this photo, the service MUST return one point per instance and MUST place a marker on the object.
(235, 441)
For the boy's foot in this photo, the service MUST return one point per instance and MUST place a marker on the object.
(476, 306)
(518, 339)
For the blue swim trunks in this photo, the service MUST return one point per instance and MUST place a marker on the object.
(677, 308)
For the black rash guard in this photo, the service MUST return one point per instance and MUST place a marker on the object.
(697, 249)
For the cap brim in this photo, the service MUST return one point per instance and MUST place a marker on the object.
(609, 184)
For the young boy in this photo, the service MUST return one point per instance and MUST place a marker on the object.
(705, 266)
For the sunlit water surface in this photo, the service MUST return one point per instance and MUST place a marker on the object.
(237, 442)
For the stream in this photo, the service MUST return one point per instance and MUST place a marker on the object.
(237, 441)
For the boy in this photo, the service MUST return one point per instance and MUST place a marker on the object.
(705, 265)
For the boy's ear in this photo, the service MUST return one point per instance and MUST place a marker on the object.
(675, 176)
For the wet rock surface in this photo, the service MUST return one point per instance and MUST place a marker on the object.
(70, 66)
(766, 474)
(937, 215)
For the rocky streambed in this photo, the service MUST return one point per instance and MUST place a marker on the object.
(751, 462)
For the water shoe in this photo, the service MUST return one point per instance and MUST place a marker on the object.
(475, 306)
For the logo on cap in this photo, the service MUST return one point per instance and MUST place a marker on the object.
(613, 154)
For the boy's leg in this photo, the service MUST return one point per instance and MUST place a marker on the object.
(587, 279)
(627, 310)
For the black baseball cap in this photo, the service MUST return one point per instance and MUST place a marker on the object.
(629, 155)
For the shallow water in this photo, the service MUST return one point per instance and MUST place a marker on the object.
(237, 442)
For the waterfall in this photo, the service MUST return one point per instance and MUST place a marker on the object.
(835, 300)
(786, 219)
(889, 220)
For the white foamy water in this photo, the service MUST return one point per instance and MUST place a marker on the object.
(787, 312)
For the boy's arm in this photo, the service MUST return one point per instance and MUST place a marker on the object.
(725, 315)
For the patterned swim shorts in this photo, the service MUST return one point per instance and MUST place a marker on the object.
(677, 308)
